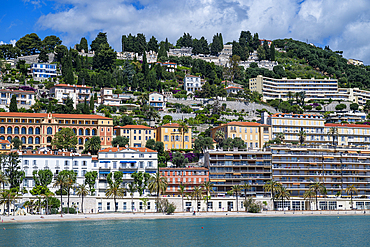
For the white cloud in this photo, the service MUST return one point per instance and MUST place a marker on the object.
(12, 41)
(335, 22)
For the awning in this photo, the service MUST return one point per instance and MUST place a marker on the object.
(127, 161)
(365, 152)
(237, 174)
(352, 152)
(296, 183)
(127, 172)
(104, 172)
(151, 171)
(313, 164)
(104, 161)
(328, 157)
(218, 180)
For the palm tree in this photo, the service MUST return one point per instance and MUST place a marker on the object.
(93, 145)
(324, 192)
(207, 186)
(245, 187)
(351, 190)
(290, 95)
(6, 197)
(309, 194)
(158, 184)
(70, 180)
(271, 186)
(316, 188)
(282, 194)
(3, 179)
(60, 181)
(132, 189)
(83, 190)
(183, 128)
(182, 191)
(219, 137)
(47, 195)
(196, 194)
(236, 189)
(280, 137)
(333, 132)
(113, 191)
(302, 136)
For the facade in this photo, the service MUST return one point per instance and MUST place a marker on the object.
(78, 93)
(55, 161)
(262, 41)
(43, 71)
(192, 83)
(355, 62)
(169, 67)
(228, 168)
(234, 90)
(187, 176)
(127, 160)
(337, 168)
(349, 134)
(254, 135)
(138, 135)
(348, 117)
(172, 138)
(5, 146)
(36, 130)
(158, 101)
(24, 98)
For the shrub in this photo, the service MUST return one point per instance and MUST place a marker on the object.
(318, 108)
(71, 210)
(251, 206)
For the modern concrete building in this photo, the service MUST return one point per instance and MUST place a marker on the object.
(348, 117)
(138, 135)
(43, 71)
(78, 93)
(172, 138)
(157, 100)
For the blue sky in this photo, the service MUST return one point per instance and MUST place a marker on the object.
(341, 24)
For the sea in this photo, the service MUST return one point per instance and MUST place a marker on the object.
(238, 231)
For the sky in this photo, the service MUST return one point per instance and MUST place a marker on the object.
(342, 24)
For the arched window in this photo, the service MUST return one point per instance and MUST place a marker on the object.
(2, 138)
(74, 131)
(80, 141)
(59, 129)
(30, 140)
(86, 140)
(81, 132)
(87, 132)
(23, 139)
(30, 131)
(23, 131)
(37, 140)
(49, 131)
(2, 130)
(93, 132)
(9, 130)
(37, 131)
(9, 139)
(16, 130)
(48, 140)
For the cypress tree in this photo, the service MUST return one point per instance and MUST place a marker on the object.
(221, 41)
(86, 109)
(272, 52)
(145, 68)
(13, 104)
(92, 104)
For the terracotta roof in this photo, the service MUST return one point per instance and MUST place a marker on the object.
(68, 85)
(94, 158)
(4, 142)
(17, 91)
(83, 116)
(282, 114)
(115, 149)
(52, 153)
(44, 115)
(192, 76)
(233, 87)
(183, 168)
(133, 127)
(347, 125)
(176, 125)
(245, 124)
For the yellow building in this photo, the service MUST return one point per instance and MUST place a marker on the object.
(172, 138)
(5, 146)
(253, 134)
(138, 135)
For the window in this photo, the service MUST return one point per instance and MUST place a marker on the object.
(49, 131)
(141, 164)
(124, 206)
(16, 130)
(37, 140)
(23, 131)
(66, 162)
(75, 163)
(30, 140)
(2, 130)
(114, 165)
(108, 205)
(30, 131)
(186, 138)
(9, 130)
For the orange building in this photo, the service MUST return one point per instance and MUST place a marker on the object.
(188, 176)
(36, 130)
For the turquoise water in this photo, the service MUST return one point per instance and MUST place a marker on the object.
(272, 231)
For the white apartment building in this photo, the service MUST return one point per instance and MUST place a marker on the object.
(127, 160)
(192, 83)
(43, 71)
(55, 161)
(77, 93)
(157, 100)
(24, 98)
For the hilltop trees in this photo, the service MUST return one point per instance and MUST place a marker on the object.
(217, 44)
(29, 44)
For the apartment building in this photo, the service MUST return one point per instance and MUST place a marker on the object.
(43, 71)
(157, 100)
(127, 160)
(36, 130)
(348, 117)
(24, 98)
(55, 161)
(228, 168)
(187, 176)
(337, 168)
(192, 83)
(349, 134)
(78, 93)
(172, 138)
(255, 135)
(138, 135)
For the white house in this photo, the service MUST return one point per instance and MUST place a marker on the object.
(43, 71)
(77, 93)
(24, 98)
(157, 100)
(233, 89)
(192, 83)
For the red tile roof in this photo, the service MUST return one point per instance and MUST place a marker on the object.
(192, 76)
(282, 114)
(4, 142)
(44, 115)
(115, 149)
(245, 124)
(233, 87)
(183, 168)
(175, 125)
(68, 85)
(94, 158)
(52, 153)
(17, 91)
(347, 125)
(133, 127)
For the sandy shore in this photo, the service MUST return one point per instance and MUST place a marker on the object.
(129, 216)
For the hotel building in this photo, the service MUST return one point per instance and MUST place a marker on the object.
(138, 135)
(253, 134)
(36, 130)
(172, 138)
(78, 93)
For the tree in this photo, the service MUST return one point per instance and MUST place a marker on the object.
(150, 144)
(115, 191)
(219, 137)
(64, 139)
(3, 179)
(47, 195)
(272, 186)
(196, 195)
(132, 189)
(183, 128)
(141, 180)
(182, 191)
(93, 145)
(235, 189)
(50, 42)
(282, 194)
(13, 104)
(16, 143)
(309, 194)
(120, 141)
(13, 170)
(153, 44)
(245, 187)
(233, 67)
(340, 107)
(207, 186)
(60, 52)
(280, 137)
(29, 44)
(158, 184)
(70, 180)
(83, 45)
(353, 107)
(101, 39)
(333, 132)
(43, 56)
(82, 191)
(202, 143)
(302, 136)
(42, 177)
(105, 58)
(316, 188)
(351, 189)
(61, 182)
(7, 197)
(179, 160)
(90, 180)
(272, 52)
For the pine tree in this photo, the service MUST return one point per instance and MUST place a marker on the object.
(13, 104)
(84, 45)
(43, 56)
